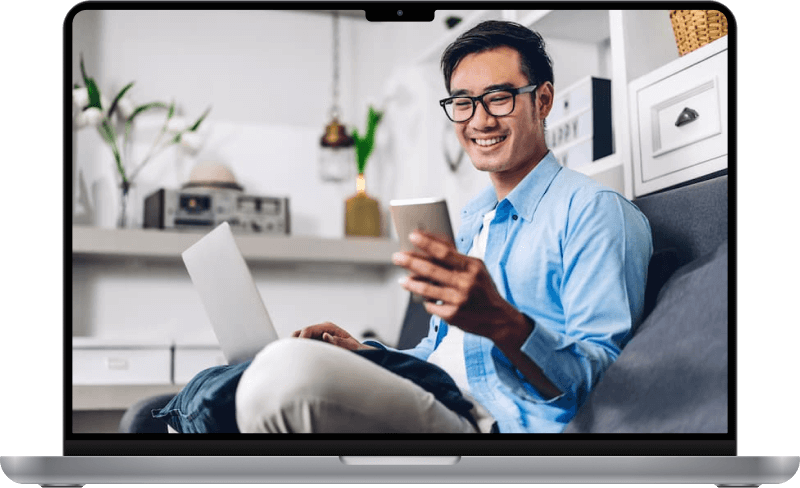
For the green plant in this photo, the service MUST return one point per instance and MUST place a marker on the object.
(365, 145)
(91, 112)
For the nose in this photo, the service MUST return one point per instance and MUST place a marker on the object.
(481, 117)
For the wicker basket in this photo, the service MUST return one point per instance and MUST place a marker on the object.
(696, 28)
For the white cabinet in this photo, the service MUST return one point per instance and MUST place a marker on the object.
(190, 360)
(680, 119)
(116, 362)
(134, 305)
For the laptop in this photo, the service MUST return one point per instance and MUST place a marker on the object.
(107, 457)
(229, 295)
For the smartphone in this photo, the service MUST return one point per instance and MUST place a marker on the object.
(426, 214)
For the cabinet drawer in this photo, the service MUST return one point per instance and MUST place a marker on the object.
(121, 366)
(190, 361)
(671, 147)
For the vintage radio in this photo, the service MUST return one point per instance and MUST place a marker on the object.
(205, 208)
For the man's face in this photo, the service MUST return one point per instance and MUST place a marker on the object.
(510, 144)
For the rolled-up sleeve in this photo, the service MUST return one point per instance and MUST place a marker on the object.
(606, 249)
(422, 350)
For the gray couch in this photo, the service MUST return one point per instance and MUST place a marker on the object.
(672, 376)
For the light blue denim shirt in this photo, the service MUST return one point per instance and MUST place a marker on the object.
(572, 255)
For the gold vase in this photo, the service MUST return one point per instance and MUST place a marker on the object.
(362, 216)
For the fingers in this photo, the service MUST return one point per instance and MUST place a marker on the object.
(330, 333)
(316, 331)
(435, 260)
(432, 291)
(423, 269)
(438, 248)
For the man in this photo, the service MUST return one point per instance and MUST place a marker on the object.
(535, 302)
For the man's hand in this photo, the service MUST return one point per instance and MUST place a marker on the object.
(332, 334)
(458, 288)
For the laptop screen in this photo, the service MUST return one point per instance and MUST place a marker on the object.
(584, 156)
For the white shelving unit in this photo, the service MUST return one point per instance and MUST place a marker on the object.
(92, 243)
(99, 248)
(613, 44)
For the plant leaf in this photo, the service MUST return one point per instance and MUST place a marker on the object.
(365, 145)
(197, 124)
(147, 106)
(91, 88)
(94, 94)
(83, 72)
(171, 110)
(108, 134)
(105, 132)
(117, 98)
(138, 110)
(361, 160)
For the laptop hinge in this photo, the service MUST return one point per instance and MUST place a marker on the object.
(399, 460)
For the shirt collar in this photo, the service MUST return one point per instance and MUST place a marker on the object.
(525, 196)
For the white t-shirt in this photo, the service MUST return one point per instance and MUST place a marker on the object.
(450, 354)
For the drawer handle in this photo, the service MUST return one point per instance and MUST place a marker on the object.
(116, 363)
(687, 116)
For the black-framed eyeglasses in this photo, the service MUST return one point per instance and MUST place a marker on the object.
(497, 103)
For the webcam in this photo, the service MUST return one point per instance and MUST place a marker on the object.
(400, 13)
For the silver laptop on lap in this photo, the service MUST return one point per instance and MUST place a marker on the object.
(695, 397)
(231, 300)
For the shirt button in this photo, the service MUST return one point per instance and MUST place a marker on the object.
(515, 217)
(436, 328)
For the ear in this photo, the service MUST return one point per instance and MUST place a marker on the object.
(544, 97)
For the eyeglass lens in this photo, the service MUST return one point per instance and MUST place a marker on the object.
(497, 103)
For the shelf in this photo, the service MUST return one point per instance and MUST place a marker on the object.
(612, 161)
(115, 397)
(433, 53)
(100, 243)
(585, 26)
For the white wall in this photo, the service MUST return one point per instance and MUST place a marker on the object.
(268, 77)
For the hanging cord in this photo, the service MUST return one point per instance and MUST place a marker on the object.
(335, 107)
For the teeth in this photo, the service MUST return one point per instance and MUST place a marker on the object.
(489, 142)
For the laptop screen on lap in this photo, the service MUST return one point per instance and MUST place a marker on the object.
(584, 156)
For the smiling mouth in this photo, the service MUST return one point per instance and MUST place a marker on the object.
(489, 142)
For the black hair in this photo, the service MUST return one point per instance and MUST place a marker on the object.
(535, 63)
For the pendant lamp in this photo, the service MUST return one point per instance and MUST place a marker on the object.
(337, 153)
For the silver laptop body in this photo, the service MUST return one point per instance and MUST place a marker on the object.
(155, 459)
(229, 294)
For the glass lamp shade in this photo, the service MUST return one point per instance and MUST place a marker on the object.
(337, 157)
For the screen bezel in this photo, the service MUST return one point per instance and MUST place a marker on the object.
(380, 444)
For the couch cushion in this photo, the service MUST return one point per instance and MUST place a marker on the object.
(207, 403)
(692, 219)
(663, 263)
(673, 374)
